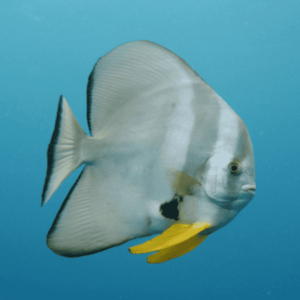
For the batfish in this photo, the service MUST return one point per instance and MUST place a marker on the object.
(166, 155)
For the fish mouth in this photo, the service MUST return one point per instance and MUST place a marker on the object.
(249, 188)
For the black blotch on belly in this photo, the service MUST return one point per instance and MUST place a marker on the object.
(170, 209)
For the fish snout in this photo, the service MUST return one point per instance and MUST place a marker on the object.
(249, 188)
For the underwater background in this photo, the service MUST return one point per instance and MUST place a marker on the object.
(247, 51)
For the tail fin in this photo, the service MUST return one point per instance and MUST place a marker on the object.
(63, 154)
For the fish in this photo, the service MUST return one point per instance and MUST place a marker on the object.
(166, 156)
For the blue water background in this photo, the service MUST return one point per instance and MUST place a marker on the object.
(247, 51)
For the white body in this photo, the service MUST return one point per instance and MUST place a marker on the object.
(149, 113)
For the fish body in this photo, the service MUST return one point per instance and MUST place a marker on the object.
(166, 155)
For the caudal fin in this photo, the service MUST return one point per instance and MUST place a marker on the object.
(63, 156)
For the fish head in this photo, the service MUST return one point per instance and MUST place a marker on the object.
(229, 178)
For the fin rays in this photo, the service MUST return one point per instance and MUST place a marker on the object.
(63, 151)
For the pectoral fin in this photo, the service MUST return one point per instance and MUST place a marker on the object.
(175, 241)
(182, 183)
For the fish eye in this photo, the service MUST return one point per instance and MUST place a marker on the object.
(234, 168)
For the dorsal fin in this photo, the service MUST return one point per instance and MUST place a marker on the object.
(129, 72)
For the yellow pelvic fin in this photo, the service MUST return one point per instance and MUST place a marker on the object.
(177, 250)
(174, 235)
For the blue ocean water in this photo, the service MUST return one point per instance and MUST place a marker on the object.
(247, 51)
